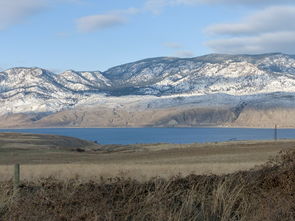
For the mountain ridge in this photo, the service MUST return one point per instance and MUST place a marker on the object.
(161, 57)
(210, 81)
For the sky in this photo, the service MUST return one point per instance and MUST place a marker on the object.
(91, 35)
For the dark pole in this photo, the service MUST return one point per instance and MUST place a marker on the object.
(276, 133)
(16, 177)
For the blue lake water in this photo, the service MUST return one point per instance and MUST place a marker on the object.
(162, 135)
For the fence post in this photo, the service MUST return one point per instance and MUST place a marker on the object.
(16, 180)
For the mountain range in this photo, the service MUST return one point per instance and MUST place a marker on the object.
(211, 90)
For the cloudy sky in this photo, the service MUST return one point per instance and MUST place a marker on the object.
(98, 34)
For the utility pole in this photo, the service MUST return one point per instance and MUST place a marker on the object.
(276, 133)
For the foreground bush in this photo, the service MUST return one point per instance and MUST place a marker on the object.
(267, 193)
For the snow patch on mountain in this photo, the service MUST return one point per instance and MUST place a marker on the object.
(152, 83)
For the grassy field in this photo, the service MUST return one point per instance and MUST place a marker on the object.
(69, 179)
(65, 157)
(266, 193)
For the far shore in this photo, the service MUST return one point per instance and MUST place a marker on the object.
(148, 126)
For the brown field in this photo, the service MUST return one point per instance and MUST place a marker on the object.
(65, 158)
(69, 179)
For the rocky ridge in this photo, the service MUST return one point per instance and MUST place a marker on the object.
(232, 82)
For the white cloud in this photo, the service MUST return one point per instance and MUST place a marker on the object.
(268, 20)
(102, 21)
(263, 43)
(172, 45)
(184, 54)
(15, 11)
(179, 50)
(269, 30)
(97, 22)
(156, 6)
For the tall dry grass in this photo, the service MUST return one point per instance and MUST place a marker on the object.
(262, 194)
(141, 172)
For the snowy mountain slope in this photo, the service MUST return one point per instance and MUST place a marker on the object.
(83, 81)
(225, 80)
(31, 90)
(235, 75)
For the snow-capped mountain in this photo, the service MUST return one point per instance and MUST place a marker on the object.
(152, 83)
(229, 74)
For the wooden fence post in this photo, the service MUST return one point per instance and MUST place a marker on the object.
(16, 180)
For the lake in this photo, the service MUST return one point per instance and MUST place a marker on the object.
(162, 135)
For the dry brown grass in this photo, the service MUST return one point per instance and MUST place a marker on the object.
(139, 172)
(266, 193)
(142, 182)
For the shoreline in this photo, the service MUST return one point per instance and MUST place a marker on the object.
(151, 127)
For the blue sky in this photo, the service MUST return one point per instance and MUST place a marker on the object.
(96, 35)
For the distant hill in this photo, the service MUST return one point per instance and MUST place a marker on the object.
(215, 89)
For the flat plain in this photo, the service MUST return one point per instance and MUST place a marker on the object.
(66, 157)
